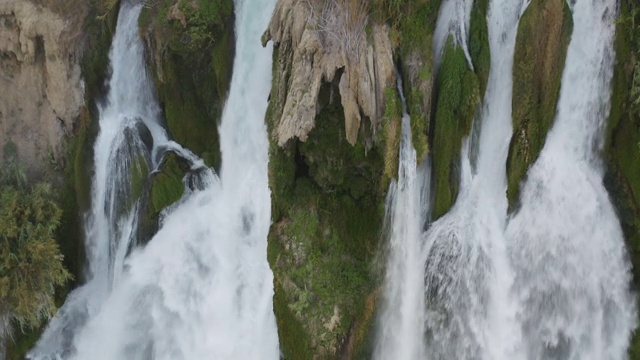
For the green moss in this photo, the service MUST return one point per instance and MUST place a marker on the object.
(543, 36)
(419, 136)
(479, 42)
(392, 132)
(139, 172)
(25, 341)
(328, 201)
(193, 68)
(167, 186)
(457, 100)
(294, 340)
(412, 18)
(622, 143)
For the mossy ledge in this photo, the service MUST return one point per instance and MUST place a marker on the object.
(541, 46)
(622, 142)
(190, 50)
(457, 99)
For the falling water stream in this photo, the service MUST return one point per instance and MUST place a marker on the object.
(548, 282)
(202, 287)
(469, 314)
(565, 243)
(401, 324)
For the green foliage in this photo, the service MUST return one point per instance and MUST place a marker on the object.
(193, 68)
(541, 46)
(409, 17)
(204, 20)
(31, 266)
(328, 201)
(457, 100)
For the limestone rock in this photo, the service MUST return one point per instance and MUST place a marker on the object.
(40, 80)
(313, 53)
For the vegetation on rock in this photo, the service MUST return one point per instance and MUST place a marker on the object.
(31, 265)
(190, 47)
(622, 143)
(327, 201)
(457, 99)
(541, 46)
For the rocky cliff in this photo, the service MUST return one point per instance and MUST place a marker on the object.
(40, 80)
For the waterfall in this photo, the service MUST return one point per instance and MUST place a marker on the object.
(202, 287)
(401, 324)
(128, 121)
(454, 18)
(469, 313)
(565, 243)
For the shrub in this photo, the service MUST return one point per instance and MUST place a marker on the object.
(30, 261)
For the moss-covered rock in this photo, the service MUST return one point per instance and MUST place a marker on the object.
(328, 208)
(457, 99)
(479, 42)
(622, 142)
(166, 185)
(190, 48)
(543, 36)
(413, 25)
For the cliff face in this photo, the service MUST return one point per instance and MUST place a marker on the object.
(40, 81)
(330, 130)
(320, 43)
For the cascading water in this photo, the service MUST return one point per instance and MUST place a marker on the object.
(454, 17)
(469, 313)
(401, 324)
(565, 243)
(128, 121)
(202, 287)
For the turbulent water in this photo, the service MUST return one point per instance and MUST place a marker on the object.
(129, 113)
(469, 314)
(202, 287)
(401, 324)
(566, 245)
(549, 282)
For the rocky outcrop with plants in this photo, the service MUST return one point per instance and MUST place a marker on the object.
(333, 123)
(543, 36)
(334, 127)
(622, 142)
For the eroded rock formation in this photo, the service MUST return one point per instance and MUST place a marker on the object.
(40, 81)
(315, 47)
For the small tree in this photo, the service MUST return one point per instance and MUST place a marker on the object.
(30, 260)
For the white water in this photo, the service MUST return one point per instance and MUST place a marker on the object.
(401, 323)
(202, 287)
(469, 313)
(454, 18)
(552, 282)
(572, 275)
(110, 226)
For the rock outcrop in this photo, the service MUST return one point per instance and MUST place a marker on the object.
(316, 46)
(40, 81)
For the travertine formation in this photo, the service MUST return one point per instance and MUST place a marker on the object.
(319, 53)
(41, 90)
